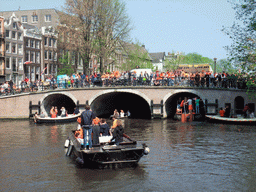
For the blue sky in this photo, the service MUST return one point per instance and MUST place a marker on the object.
(166, 25)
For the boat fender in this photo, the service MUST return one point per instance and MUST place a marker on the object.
(79, 161)
(70, 148)
(146, 149)
(66, 143)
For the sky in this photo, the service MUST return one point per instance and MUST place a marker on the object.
(188, 26)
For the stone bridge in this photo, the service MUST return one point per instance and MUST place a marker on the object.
(142, 102)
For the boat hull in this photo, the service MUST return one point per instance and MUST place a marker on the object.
(236, 121)
(59, 119)
(102, 156)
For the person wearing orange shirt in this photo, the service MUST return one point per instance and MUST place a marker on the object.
(222, 112)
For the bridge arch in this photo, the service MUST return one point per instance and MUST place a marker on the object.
(105, 102)
(170, 100)
(59, 99)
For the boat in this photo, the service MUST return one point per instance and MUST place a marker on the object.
(106, 155)
(229, 120)
(187, 117)
(58, 119)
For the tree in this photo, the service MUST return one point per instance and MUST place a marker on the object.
(66, 68)
(97, 26)
(136, 55)
(112, 25)
(243, 34)
(225, 65)
(174, 62)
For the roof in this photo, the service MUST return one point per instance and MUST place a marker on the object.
(157, 57)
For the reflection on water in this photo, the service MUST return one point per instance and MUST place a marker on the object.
(193, 156)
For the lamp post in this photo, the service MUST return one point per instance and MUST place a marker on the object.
(215, 59)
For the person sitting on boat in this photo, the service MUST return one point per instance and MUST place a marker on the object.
(63, 112)
(42, 115)
(122, 114)
(227, 111)
(36, 117)
(104, 128)
(79, 134)
(86, 122)
(53, 113)
(251, 114)
(113, 126)
(117, 133)
(128, 114)
(76, 111)
(245, 110)
(222, 112)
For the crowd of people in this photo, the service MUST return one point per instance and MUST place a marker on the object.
(91, 128)
(127, 78)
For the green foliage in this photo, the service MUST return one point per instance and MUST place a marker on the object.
(190, 58)
(66, 66)
(225, 65)
(136, 56)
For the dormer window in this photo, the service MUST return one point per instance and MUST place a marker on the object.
(48, 18)
(34, 18)
(24, 19)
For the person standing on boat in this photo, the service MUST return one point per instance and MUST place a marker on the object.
(197, 105)
(86, 123)
(95, 131)
(190, 106)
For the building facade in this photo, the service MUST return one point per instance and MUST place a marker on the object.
(37, 17)
(32, 52)
(2, 50)
(14, 52)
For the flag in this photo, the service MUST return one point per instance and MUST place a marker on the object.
(43, 71)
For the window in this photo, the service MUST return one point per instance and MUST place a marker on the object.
(55, 57)
(7, 48)
(45, 55)
(14, 34)
(14, 48)
(14, 25)
(24, 19)
(50, 42)
(34, 18)
(50, 55)
(54, 43)
(32, 43)
(27, 42)
(7, 34)
(27, 56)
(33, 57)
(37, 57)
(19, 36)
(45, 41)
(8, 77)
(20, 63)
(48, 18)
(46, 69)
(7, 62)
(14, 64)
(38, 44)
(20, 49)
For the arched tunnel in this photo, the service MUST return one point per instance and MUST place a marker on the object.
(105, 104)
(58, 100)
(171, 102)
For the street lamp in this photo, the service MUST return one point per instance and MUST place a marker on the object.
(215, 59)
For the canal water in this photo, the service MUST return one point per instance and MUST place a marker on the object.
(195, 156)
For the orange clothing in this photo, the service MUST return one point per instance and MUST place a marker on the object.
(190, 107)
(96, 121)
(79, 133)
(114, 124)
(222, 113)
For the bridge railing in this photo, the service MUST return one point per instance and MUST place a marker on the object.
(66, 84)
